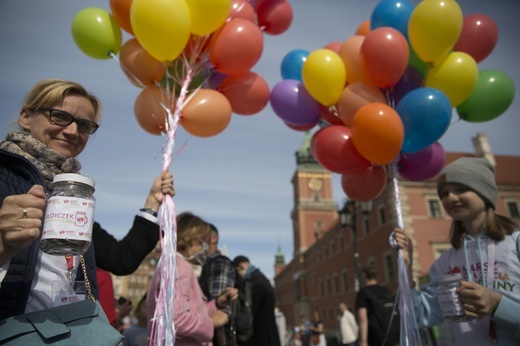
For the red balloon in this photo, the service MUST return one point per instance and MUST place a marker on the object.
(274, 16)
(299, 127)
(236, 46)
(478, 37)
(248, 93)
(333, 148)
(384, 56)
(330, 115)
(364, 185)
(333, 46)
(242, 9)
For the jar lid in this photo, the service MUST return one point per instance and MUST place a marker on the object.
(450, 277)
(75, 178)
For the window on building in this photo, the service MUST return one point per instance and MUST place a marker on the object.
(344, 280)
(382, 215)
(316, 197)
(332, 248)
(321, 288)
(512, 207)
(336, 284)
(390, 268)
(318, 223)
(366, 224)
(327, 286)
(434, 207)
(341, 241)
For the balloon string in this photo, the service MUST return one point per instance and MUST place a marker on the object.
(410, 335)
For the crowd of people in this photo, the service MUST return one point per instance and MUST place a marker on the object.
(56, 121)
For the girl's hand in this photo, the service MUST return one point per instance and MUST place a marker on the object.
(478, 301)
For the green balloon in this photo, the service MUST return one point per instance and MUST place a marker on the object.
(96, 33)
(416, 62)
(491, 97)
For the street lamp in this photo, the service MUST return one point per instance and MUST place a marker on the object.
(348, 217)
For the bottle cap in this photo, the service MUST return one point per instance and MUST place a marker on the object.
(73, 178)
(450, 277)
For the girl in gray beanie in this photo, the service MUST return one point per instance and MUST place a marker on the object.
(485, 252)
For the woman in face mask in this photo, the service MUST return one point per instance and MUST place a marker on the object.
(195, 318)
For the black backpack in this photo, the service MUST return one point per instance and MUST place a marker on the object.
(384, 319)
(240, 326)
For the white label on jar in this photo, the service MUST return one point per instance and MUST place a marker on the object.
(68, 218)
(450, 303)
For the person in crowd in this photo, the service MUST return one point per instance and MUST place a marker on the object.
(218, 274)
(265, 331)
(281, 324)
(305, 330)
(370, 334)
(347, 326)
(136, 334)
(56, 121)
(195, 318)
(485, 251)
(317, 330)
(296, 339)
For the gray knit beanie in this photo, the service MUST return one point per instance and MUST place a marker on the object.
(476, 173)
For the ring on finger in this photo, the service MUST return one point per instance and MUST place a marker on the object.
(24, 213)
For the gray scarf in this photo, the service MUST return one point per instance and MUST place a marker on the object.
(48, 161)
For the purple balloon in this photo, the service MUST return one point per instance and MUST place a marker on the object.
(422, 165)
(410, 80)
(293, 103)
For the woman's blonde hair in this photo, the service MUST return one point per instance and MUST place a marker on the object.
(189, 228)
(495, 226)
(49, 93)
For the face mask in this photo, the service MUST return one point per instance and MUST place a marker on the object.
(201, 256)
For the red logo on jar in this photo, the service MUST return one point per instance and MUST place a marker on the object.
(63, 299)
(85, 203)
(66, 201)
(62, 232)
(81, 234)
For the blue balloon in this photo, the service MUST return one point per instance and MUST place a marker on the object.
(392, 13)
(426, 115)
(292, 64)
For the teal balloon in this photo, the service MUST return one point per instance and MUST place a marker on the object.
(490, 98)
(96, 33)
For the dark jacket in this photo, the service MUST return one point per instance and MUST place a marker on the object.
(17, 176)
(264, 320)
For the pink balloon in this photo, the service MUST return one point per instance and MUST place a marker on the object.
(422, 165)
(242, 9)
(274, 16)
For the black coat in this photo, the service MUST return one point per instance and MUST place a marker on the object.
(17, 176)
(264, 319)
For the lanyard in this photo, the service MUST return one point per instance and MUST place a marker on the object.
(493, 338)
(70, 267)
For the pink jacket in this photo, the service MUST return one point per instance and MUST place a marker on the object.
(192, 312)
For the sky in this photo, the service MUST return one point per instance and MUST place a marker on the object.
(238, 180)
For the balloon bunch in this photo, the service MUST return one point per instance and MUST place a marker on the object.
(193, 60)
(206, 46)
(386, 95)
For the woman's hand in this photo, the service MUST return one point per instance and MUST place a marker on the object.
(162, 185)
(219, 318)
(478, 301)
(226, 297)
(20, 221)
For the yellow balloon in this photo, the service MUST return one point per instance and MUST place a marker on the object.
(434, 28)
(208, 15)
(324, 76)
(162, 27)
(455, 77)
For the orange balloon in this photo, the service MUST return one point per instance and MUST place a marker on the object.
(248, 93)
(355, 96)
(364, 185)
(120, 10)
(148, 110)
(378, 133)
(207, 113)
(363, 28)
(349, 52)
(139, 66)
